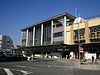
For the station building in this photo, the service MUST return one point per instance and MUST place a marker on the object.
(62, 33)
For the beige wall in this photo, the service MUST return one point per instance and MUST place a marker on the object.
(80, 26)
(68, 37)
(94, 22)
(70, 29)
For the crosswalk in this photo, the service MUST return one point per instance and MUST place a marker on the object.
(30, 65)
(7, 71)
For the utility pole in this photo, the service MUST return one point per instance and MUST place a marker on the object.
(79, 43)
(78, 35)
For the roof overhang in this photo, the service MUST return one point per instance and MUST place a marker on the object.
(49, 19)
(55, 48)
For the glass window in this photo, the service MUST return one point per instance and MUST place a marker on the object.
(58, 34)
(93, 35)
(95, 32)
(58, 25)
(80, 33)
(95, 28)
(0, 37)
(98, 34)
(0, 41)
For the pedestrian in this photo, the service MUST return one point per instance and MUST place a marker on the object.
(92, 59)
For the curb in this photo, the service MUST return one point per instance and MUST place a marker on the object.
(90, 67)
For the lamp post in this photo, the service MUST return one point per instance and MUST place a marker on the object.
(79, 43)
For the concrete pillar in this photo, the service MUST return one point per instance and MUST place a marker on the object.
(86, 33)
(41, 55)
(72, 35)
(21, 37)
(32, 57)
(27, 37)
(41, 34)
(65, 23)
(51, 32)
(33, 35)
(46, 55)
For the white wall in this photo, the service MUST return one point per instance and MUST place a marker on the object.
(72, 55)
(89, 55)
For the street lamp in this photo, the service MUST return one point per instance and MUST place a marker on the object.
(79, 43)
(78, 20)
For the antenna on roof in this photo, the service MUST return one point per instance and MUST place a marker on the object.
(75, 12)
(79, 15)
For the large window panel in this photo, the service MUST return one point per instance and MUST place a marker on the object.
(58, 34)
(95, 32)
(46, 34)
(38, 36)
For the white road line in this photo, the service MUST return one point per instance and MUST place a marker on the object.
(49, 66)
(8, 71)
(25, 72)
(19, 66)
(22, 66)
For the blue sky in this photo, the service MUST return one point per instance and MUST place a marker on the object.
(17, 14)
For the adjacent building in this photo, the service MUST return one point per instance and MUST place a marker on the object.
(62, 33)
(5, 44)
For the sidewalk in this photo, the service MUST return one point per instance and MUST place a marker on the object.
(88, 65)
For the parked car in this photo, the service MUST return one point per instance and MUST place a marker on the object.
(11, 57)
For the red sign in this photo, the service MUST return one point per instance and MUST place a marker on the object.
(81, 49)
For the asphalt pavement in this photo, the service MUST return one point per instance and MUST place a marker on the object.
(44, 67)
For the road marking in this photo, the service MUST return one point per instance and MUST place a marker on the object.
(25, 72)
(43, 66)
(8, 71)
(49, 66)
(22, 66)
(19, 66)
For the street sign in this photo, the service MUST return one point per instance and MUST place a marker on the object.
(81, 49)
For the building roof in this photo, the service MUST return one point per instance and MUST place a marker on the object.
(49, 19)
(78, 20)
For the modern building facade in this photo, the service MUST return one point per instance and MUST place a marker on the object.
(47, 32)
(63, 29)
(5, 44)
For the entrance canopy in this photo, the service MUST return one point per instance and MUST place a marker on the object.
(91, 47)
(50, 48)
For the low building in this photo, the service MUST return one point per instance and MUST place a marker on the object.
(15, 49)
(62, 33)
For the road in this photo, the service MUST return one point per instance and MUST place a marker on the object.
(52, 67)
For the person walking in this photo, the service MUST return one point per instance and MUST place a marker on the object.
(92, 59)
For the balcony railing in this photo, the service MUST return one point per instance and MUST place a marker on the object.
(76, 38)
(94, 35)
